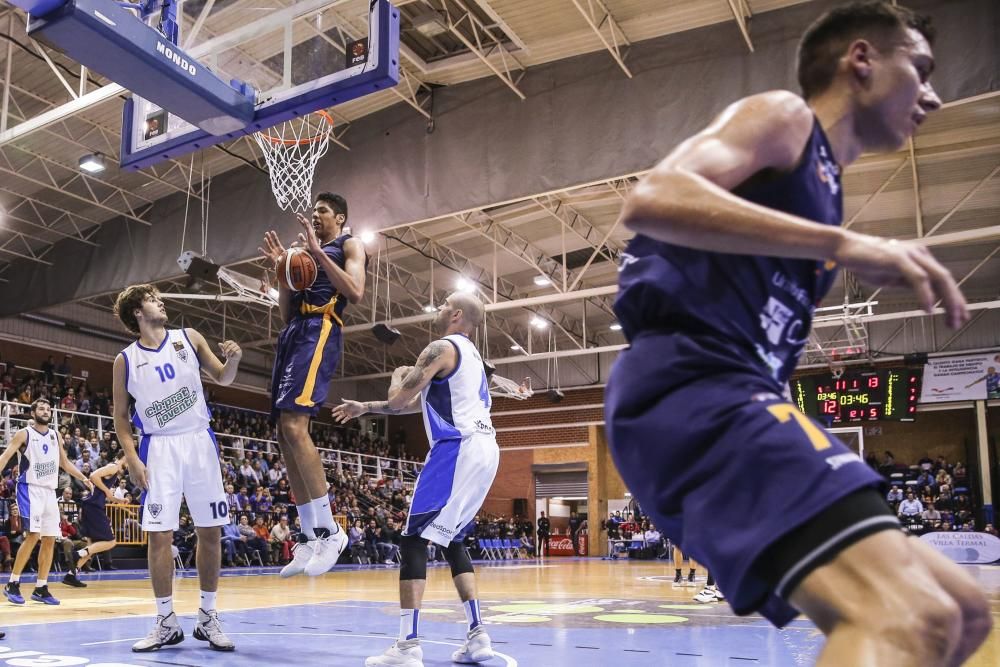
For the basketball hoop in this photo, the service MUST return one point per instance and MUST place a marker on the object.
(507, 388)
(292, 150)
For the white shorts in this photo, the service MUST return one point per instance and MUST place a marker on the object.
(177, 465)
(451, 488)
(39, 509)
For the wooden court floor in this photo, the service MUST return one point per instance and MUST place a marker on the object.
(573, 612)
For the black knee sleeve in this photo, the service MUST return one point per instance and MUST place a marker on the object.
(458, 558)
(412, 557)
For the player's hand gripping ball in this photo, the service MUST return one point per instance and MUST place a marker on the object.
(296, 269)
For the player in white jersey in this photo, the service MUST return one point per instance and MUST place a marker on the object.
(449, 385)
(41, 456)
(157, 388)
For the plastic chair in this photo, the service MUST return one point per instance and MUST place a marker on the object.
(484, 548)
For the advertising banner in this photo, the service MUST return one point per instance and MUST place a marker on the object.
(964, 547)
(967, 378)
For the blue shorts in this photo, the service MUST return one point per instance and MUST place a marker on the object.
(721, 463)
(94, 521)
(306, 358)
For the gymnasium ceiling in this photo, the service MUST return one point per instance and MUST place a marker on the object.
(944, 186)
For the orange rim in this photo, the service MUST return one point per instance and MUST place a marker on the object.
(300, 142)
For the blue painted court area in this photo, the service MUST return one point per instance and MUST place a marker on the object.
(529, 633)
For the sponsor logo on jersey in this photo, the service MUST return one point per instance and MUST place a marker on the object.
(181, 351)
(46, 469)
(172, 406)
(442, 529)
(841, 460)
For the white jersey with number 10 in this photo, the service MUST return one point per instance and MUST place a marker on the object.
(165, 385)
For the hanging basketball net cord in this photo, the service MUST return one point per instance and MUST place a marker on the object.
(292, 151)
(499, 385)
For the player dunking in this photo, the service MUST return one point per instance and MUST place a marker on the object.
(449, 385)
(94, 522)
(41, 455)
(157, 387)
(738, 239)
(307, 355)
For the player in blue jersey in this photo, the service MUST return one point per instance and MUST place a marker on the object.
(306, 357)
(156, 384)
(449, 385)
(95, 525)
(992, 380)
(737, 240)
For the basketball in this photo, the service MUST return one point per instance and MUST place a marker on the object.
(296, 269)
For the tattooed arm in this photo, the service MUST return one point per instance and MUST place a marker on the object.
(438, 358)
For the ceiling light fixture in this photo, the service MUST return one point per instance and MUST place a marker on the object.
(93, 163)
(430, 23)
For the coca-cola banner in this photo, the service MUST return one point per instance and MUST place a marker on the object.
(561, 545)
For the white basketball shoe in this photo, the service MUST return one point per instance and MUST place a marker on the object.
(302, 553)
(477, 648)
(403, 653)
(326, 552)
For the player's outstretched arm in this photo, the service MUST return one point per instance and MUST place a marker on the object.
(686, 200)
(971, 384)
(123, 426)
(437, 358)
(15, 444)
(222, 373)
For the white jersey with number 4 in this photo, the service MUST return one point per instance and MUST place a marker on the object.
(458, 406)
(39, 464)
(165, 386)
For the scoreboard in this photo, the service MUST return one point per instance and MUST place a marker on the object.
(889, 393)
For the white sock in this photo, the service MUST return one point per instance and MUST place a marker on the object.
(41, 583)
(409, 619)
(472, 614)
(323, 515)
(208, 600)
(165, 606)
(308, 520)
(14, 578)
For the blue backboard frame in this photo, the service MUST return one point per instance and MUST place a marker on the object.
(380, 71)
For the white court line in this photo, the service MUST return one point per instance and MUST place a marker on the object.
(508, 661)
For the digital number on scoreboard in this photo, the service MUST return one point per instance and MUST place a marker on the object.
(860, 396)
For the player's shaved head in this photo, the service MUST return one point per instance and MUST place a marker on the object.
(473, 310)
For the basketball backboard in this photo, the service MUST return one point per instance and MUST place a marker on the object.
(311, 55)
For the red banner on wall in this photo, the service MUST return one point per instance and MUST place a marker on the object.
(561, 545)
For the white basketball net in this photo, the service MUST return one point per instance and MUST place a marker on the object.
(292, 150)
(507, 388)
